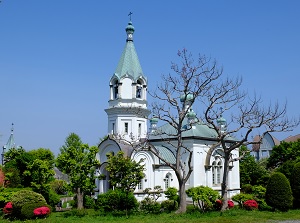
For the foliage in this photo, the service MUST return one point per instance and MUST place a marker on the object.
(169, 205)
(23, 197)
(246, 188)
(41, 173)
(285, 151)
(27, 211)
(16, 164)
(52, 198)
(115, 200)
(79, 161)
(250, 205)
(279, 193)
(149, 205)
(259, 191)
(2, 177)
(241, 198)
(88, 202)
(295, 184)
(12, 177)
(124, 173)
(172, 194)
(43, 154)
(287, 168)
(203, 196)
(251, 172)
(59, 186)
(5, 196)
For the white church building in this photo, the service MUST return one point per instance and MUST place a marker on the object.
(127, 114)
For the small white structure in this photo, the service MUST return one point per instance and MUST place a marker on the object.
(127, 119)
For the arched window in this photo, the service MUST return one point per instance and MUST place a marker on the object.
(116, 89)
(139, 89)
(168, 180)
(140, 185)
(217, 171)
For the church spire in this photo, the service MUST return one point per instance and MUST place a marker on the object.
(129, 64)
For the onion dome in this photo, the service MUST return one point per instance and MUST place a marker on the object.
(153, 120)
(129, 30)
(221, 121)
(188, 97)
(191, 114)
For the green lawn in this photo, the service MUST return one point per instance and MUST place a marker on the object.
(234, 215)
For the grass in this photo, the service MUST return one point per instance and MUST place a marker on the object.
(233, 215)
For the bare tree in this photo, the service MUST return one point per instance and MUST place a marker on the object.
(201, 80)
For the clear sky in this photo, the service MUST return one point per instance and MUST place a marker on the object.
(56, 57)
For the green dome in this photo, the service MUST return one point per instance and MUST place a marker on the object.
(153, 120)
(221, 120)
(188, 97)
(191, 114)
(129, 28)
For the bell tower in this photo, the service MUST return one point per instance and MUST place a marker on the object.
(127, 112)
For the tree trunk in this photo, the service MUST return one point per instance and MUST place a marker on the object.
(79, 199)
(182, 197)
(225, 183)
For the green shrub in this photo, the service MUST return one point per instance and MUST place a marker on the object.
(149, 205)
(27, 209)
(259, 192)
(116, 200)
(241, 198)
(295, 185)
(171, 194)
(88, 202)
(246, 188)
(169, 205)
(203, 197)
(279, 193)
(52, 198)
(23, 197)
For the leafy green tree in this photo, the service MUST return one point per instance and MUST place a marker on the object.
(295, 184)
(59, 186)
(250, 170)
(287, 168)
(285, 151)
(279, 192)
(125, 173)
(43, 154)
(41, 173)
(78, 160)
(17, 162)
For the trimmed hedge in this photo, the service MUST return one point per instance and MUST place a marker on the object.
(27, 209)
(295, 185)
(279, 193)
(24, 197)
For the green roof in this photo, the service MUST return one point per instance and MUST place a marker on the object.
(166, 154)
(200, 130)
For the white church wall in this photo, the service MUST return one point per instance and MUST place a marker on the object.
(126, 88)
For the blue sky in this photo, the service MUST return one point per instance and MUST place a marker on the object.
(56, 57)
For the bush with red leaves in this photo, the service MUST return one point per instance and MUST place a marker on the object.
(250, 205)
(218, 204)
(8, 208)
(41, 212)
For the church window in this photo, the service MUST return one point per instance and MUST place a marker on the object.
(126, 127)
(140, 185)
(140, 129)
(116, 90)
(216, 171)
(138, 92)
(139, 89)
(168, 180)
(113, 128)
